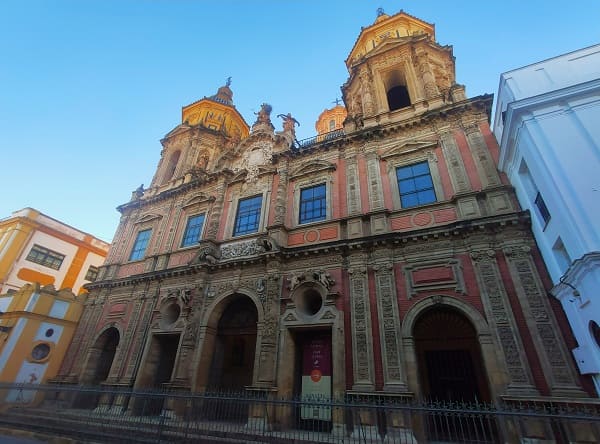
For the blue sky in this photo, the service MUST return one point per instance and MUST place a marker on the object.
(88, 88)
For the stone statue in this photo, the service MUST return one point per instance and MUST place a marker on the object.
(264, 115)
(324, 279)
(138, 193)
(295, 280)
(289, 123)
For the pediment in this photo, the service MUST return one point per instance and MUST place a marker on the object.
(149, 217)
(179, 129)
(239, 176)
(198, 199)
(388, 44)
(407, 147)
(315, 166)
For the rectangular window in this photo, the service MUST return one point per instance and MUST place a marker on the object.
(193, 229)
(45, 257)
(248, 216)
(91, 274)
(141, 242)
(313, 204)
(415, 184)
(541, 205)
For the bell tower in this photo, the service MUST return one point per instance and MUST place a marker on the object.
(397, 71)
(208, 127)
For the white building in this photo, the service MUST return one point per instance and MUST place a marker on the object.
(37, 248)
(547, 122)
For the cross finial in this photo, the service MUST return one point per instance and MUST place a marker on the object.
(336, 101)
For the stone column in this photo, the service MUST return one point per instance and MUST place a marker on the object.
(541, 323)
(498, 311)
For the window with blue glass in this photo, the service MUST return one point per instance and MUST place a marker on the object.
(193, 229)
(415, 184)
(313, 204)
(248, 216)
(139, 247)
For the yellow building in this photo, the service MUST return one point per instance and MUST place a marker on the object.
(37, 248)
(36, 327)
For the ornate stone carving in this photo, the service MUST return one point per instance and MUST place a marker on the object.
(241, 249)
(280, 201)
(261, 290)
(498, 313)
(295, 280)
(456, 167)
(389, 320)
(374, 183)
(481, 155)
(540, 321)
(208, 253)
(353, 187)
(324, 279)
(361, 328)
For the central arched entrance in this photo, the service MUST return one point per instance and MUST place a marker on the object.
(449, 357)
(232, 364)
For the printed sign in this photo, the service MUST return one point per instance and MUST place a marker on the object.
(316, 377)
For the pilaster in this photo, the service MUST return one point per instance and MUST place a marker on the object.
(362, 334)
(541, 323)
(394, 378)
(502, 322)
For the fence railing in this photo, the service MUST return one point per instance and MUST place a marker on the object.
(111, 414)
(331, 135)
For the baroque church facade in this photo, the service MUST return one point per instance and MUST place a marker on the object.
(389, 245)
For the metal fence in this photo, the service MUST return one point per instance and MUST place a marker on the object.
(103, 414)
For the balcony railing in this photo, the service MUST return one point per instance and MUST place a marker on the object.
(332, 135)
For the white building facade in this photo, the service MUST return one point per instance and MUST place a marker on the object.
(547, 122)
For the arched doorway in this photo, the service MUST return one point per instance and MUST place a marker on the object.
(451, 372)
(100, 359)
(449, 357)
(232, 364)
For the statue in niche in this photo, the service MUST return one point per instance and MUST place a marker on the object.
(202, 160)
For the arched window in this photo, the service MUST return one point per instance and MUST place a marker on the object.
(396, 91)
(171, 166)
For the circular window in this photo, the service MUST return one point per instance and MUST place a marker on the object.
(595, 331)
(310, 302)
(49, 332)
(40, 351)
(171, 313)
